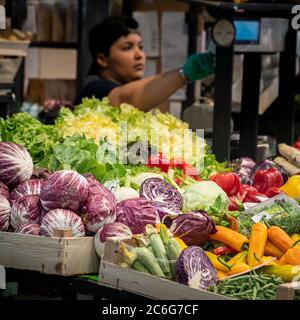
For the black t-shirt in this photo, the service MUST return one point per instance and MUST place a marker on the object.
(97, 88)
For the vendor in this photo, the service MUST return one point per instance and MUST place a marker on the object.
(119, 65)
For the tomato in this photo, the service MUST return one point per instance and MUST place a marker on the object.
(160, 161)
(228, 181)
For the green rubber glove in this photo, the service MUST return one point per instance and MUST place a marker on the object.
(199, 66)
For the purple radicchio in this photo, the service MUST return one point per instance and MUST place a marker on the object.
(29, 187)
(65, 189)
(166, 199)
(16, 164)
(113, 229)
(26, 209)
(194, 269)
(194, 228)
(137, 213)
(5, 210)
(100, 206)
(61, 219)
(29, 228)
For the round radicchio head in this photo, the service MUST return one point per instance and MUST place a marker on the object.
(100, 206)
(16, 164)
(26, 209)
(65, 189)
(193, 268)
(194, 228)
(166, 209)
(113, 229)
(137, 213)
(61, 219)
(160, 191)
(4, 191)
(28, 187)
(29, 228)
(5, 210)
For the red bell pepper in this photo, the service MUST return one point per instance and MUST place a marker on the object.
(273, 191)
(235, 204)
(265, 179)
(232, 205)
(297, 144)
(178, 181)
(228, 181)
(249, 194)
(187, 168)
(220, 251)
(160, 161)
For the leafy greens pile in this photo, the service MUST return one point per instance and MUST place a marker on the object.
(75, 141)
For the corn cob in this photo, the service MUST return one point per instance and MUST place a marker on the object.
(159, 250)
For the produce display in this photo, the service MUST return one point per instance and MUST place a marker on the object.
(229, 228)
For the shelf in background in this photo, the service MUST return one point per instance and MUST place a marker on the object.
(49, 44)
(251, 9)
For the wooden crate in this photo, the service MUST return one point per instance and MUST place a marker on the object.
(287, 291)
(117, 277)
(60, 256)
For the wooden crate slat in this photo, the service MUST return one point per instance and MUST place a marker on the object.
(150, 286)
(61, 256)
(115, 276)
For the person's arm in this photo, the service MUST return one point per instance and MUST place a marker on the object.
(149, 92)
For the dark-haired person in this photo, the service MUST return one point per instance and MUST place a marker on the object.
(119, 63)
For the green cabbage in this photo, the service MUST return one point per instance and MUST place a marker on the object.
(204, 195)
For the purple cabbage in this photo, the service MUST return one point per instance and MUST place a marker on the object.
(16, 164)
(26, 209)
(65, 189)
(242, 165)
(165, 209)
(194, 228)
(29, 228)
(267, 164)
(5, 210)
(61, 219)
(100, 206)
(4, 191)
(194, 269)
(29, 187)
(95, 187)
(136, 213)
(160, 191)
(113, 229)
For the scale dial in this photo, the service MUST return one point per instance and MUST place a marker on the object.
(223, 33)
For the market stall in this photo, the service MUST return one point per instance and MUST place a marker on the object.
(158, 225)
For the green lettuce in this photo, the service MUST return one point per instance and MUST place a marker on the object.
(39, 139)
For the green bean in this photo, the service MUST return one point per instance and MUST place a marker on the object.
(267, 286)
(243, 287)
(237, 279)
(254, 293)
(260, 280)
(243, 293)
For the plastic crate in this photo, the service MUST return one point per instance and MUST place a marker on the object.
(271, 210)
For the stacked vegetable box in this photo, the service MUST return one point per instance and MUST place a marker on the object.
(200, 228)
